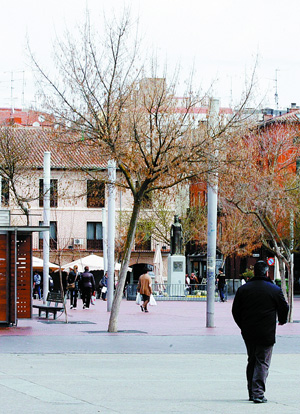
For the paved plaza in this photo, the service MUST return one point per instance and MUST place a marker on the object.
(165, 361)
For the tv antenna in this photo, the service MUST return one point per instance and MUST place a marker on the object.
(12, 92)
(276, 90)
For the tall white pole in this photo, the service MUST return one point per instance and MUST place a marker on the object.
(291, 275)
(212, 202)
(111, 233)
(104, 238)
(46, 234)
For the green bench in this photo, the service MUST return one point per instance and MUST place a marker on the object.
(54, 303)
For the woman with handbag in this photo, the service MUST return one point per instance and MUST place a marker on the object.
(145, 289)
(73, 286)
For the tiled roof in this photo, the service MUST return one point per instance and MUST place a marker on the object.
(290, 117)
(66, 153)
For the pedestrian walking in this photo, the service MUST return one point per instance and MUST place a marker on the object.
(103, 286)
(145, 289)
(51, 283)
(221, 284)
(87, 287)
(188, 284)
(73, 286)
(255, 308)
(193, 282)
(37, 280)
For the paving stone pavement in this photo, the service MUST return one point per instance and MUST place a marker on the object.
(166, 361)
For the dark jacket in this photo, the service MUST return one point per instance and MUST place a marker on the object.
(255, 308)
(221, 280)
(87, 281)
(103, 282)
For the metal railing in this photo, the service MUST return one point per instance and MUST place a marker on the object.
(165, 291)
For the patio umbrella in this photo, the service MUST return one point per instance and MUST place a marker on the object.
(38, 264)
(158, 265)
(93, 261)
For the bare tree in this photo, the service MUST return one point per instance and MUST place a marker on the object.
(265, 185)
(14, 166)
(238, 234)
(102, 94)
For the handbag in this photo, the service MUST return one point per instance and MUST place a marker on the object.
(72, 285)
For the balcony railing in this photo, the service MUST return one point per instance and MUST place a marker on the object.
(95, 244)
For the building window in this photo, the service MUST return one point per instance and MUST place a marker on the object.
(53, 193)
(53, 235)
(94, 236)
(95, 194)
(4, 192)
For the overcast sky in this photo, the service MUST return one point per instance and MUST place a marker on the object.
(221, 38)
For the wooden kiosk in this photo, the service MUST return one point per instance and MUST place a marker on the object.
(15, 270)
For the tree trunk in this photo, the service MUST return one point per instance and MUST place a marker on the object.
(289, 296)
(63, 293)
(113, 320)
(282, 275)
(291, 290)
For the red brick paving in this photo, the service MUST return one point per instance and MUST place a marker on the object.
(167, 318)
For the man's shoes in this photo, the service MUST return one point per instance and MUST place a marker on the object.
(71, 307)
(83, 307)
(260, 400)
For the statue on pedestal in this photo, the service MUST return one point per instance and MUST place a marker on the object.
(176, 238)
(176, 261)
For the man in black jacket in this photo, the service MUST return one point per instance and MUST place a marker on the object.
(255, 308)
(87, 284)
(221, 279)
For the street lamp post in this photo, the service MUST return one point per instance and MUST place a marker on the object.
(46, 219)
(111, 233)
(212, 202)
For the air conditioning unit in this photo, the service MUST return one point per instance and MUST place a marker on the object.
(78, 242)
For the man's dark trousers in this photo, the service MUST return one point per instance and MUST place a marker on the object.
(259, 359)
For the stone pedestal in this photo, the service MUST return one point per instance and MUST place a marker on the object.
(176, 275)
